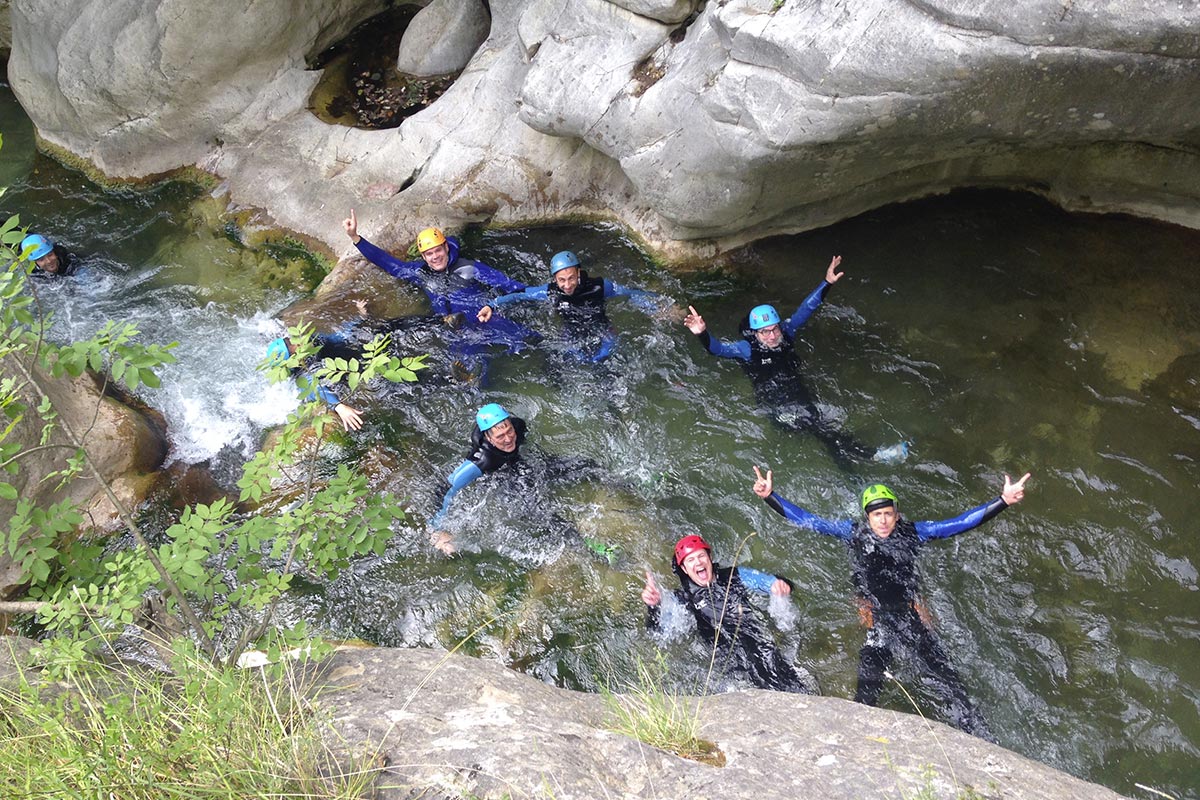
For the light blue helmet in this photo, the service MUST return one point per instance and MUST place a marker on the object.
(41, 247)
(490, 416)
(763, 317)
(277, 351)
(564, 260)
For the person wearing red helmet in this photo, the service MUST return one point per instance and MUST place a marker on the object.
(719, 600)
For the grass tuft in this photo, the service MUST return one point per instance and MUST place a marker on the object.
(200, 732)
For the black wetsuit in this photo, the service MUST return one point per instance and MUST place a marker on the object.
(778, 385)
(887, 580)
(724, 615)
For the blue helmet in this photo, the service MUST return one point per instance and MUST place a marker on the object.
(277, 351)
(490, 416)
(41, 247)
(763, 317)
(564, 260)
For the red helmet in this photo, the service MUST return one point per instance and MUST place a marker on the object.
(688, 545)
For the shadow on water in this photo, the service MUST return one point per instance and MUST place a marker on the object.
(992, 331)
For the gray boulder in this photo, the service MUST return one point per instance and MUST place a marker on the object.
(451, 726)
(442, 37)
(759, 118)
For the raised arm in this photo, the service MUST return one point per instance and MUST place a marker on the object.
(695, 323)
(764, 488)
(1011, 494)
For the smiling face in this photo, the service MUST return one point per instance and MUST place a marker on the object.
(567, 280)
(502, 436)
(49, 262)
(438, 257)
(770, 336)
(698, 566)
(883, 521)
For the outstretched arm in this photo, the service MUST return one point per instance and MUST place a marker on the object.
(462, 477)
(695, 323)
(764, 488)
(647, 302)
(494, 278)
(763, 582)
(814, 300)
(1011, 494)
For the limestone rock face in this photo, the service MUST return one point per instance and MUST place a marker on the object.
(698, 130)
(456, 727)
(442, 37)
(126, 444)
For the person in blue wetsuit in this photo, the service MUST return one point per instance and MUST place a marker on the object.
(329, 346)
(719, 600)
(579, 300)
(455, 286)
(496, 442)
(883, 556)
(49, 259)
(768, 355)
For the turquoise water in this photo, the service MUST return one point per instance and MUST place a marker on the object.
(992, 331)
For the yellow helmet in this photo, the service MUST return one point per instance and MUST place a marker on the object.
(429, 239)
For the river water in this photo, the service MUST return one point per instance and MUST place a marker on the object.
(993, 332)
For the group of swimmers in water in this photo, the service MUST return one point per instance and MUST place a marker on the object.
(883, 544)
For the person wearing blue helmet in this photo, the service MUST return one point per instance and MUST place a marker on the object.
(768, 355)
(496, 442)
(456, 287)
(579, 299)
(48, 258)
(281, 349)
(883, 555)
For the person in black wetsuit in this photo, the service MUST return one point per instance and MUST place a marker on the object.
(768, 355)
(49, 259)
(496, 442)
(719, 600)
(883, 556)
(579, 300)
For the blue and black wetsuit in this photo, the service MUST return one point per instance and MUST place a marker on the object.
(464, 287)
(887, 580)
(778, 386)
(585, 322)
(533, 481)
(725, 616)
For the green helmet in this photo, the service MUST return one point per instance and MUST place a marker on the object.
(877, 496)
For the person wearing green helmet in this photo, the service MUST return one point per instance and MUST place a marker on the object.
(768, 355)
(884, 547)
(48, 258)
(718, 599)
(579, 301)
(496, 442)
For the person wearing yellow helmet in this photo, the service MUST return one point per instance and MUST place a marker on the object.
(718, 598)
(457, 288)
(768, 355)
(884, 547)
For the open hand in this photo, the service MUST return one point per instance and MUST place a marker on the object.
(351, 417)
(831, 274)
